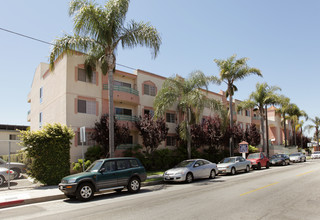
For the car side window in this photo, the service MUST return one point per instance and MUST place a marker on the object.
(109, 166)
(199, 162)
(123, 164)
(261, 156)
(242, 159)
(134, 163)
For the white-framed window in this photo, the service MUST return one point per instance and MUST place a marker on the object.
(248, 113)
(83, 76)
(148, 112)
(149, 90)
(87, 107)
(171, 141)
(41, 94)
(13, 137)
(123, 111)
(170, 117)
(239, 112)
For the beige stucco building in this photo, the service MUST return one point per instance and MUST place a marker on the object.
(10, 133)
(67, 96)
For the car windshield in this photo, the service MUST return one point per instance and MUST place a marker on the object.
(185, 163)
(254, 156)
(276, 156)
(296, 154)
(228, 160)
(95, 166)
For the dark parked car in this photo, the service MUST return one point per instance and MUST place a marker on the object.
(280, 159)
(105, 174)
(18, 168)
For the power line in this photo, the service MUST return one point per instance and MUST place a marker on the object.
(32, 38)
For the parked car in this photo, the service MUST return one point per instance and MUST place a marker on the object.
(4, 175)
(297, 157)
(188, 170)
(105, 174)
(234, 164)
(258, 160)
(18, 168)
(280, 159)
(315, 155)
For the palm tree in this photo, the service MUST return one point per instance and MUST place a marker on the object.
(295, 113)
(232, 70)
(190, 99)
(98, 31)
(300, 126)
(284, 103)
(264, 95)
(316, 126)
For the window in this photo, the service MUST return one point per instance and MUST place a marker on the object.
(88, 142)
(109, 166)
(149, 90)
(83, 76)
(41, 94)
(171, 118)
(40, 119)
(88, 107)
(247, 112)
(123, 111)
(118, 83)
(134, 163)
(122, 164)
(171, 141)
(13, 137)
(148, 112)
(239, 112)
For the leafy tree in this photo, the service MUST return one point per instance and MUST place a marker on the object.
(101, 133)
(263, 95)
(252, 135)
(98, 31)
(95, 152)
(78, 166)
(295, 113)
(232, 70)
(190, 99)
(49, 149)
(153, 132)
(315, 126)
(214, 132)
(284, 103)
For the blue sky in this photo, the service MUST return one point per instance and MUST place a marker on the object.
(281, 38)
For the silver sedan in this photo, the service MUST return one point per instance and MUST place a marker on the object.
(234, 164)
(4, 175)
(297, 157)
(188, 170)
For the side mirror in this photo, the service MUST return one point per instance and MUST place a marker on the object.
(102, 170)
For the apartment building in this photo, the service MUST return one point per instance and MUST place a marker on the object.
(68, 96)
(10, 133)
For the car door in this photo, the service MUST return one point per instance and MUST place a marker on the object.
(123, 172)
(197, 169)
(107, 178)
(263, 160)
(238, 164)
(243, 163)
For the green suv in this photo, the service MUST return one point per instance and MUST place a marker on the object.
(105, 174)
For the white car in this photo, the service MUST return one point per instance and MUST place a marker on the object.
(234, 164)
(298, 157)
(4, 175)
(315, 155)
(188, 170)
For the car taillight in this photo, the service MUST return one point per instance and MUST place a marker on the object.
(11, 172)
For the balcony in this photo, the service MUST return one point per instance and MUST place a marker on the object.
(126, 146)
(126, 118)
(122, 94)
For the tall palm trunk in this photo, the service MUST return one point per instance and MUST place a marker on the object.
(267, 131)
(231, 120)
(301, 138)
(189, 134)
(285, 130)
(317, 133)
(111, 66)
(294, 134)
(262, 129)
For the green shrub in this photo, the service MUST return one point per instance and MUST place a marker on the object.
(253, 149)
(78, 166)
(94, 153)
(49, 149)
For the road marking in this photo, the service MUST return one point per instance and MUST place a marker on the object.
(305, 173)
(259, 188)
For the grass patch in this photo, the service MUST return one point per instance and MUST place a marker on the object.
(150, 173)
(154, 179)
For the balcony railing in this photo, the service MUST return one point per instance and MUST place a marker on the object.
(126, 118)
(126, 146)
(122, 89)
(256, 117)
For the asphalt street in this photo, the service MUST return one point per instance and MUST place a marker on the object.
(289, 192)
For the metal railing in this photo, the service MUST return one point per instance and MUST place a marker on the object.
(126, 118)
(126, 146)
(122, 89)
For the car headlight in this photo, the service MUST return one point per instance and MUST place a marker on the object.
(72, 180)
(180, 172)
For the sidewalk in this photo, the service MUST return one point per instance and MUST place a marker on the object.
(37, 194)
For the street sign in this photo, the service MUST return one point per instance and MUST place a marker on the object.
(243, 147)
(83, 134)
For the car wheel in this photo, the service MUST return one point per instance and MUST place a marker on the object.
(134, 185)
(268, 165)
(259, 166)
(1, 180)
(189, 178)
(247, 169)
(85, 192)
(16, 173)
(305, 159)
(283, 163)
(233, 171)
(212, 174)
